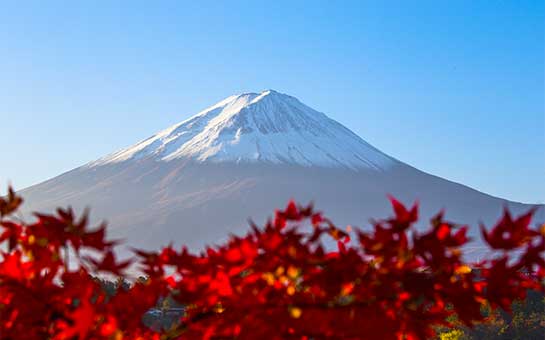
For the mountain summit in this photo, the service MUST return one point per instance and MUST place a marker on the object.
(259, 127)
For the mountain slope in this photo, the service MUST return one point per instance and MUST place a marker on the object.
(201, 179)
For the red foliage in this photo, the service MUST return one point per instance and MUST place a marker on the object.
(277, 282)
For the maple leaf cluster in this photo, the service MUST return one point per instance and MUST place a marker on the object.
(299, 277)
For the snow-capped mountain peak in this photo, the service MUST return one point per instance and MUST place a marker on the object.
(258, 127)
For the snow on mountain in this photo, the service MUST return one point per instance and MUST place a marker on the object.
(258, 127)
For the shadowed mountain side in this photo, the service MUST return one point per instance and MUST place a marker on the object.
(150, 204)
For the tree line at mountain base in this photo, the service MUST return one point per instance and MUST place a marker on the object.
(527, 321)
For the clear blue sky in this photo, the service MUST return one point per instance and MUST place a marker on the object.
(454, 88)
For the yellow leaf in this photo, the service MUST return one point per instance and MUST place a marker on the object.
(118, 335)
(269, 277)
(293, 272)
(219, 309)
(295, 312)
(465, 269)
(284, 280)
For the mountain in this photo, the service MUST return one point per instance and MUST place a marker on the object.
(199, 180)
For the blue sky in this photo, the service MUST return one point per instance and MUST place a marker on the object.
(453, 88)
